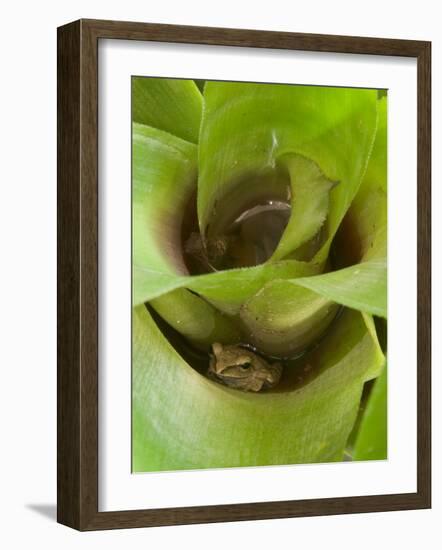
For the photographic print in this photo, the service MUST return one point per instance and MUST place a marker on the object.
(259, 274)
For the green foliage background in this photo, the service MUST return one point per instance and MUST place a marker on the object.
(205, 139)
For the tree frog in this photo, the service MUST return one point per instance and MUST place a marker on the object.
(240, 368)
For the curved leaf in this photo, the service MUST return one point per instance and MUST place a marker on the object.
(229, 289)
(310, 203)
(172, 105)
(283, 319)
(286, 316)
(164, 173)
(182, 420)
(246, 129)
(371, 440)
(163, 179)
(195, 319)
(363, 233)
(362, 286)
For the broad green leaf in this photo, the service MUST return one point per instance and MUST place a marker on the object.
(283, 319)
(182, 420)
(369, 209)
(362, 286)
(164, 176)
(377, 166)
(363, 233)
(257, 143)
(195, 319)
(305, 305)
(229, 289)
(362, 238)
(163, 179)
(247, 128)
(172, 105)
(310, 202)
(371, 440)
(286, 316)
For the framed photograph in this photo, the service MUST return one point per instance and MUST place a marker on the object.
(236, 210)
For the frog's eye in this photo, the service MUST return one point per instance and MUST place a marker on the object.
(245, 366)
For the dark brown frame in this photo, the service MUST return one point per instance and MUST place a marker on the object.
(78, 274)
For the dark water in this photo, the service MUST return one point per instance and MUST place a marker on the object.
(245, 226)
(252, 237)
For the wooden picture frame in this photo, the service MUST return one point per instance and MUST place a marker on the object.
(78, 274)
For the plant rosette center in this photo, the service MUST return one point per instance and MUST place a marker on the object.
(259, 267)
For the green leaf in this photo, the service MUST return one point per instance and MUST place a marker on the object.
(310, 145)
(163, 179)
(195, 319)
(283, 319)
(164, 176)
(371, 440)
(363, 233)
(376, 173)
(310, 203)
(286, 316)
(291, 308)
(369, 209)
(362, 286)
(182, 420)
(229, 289)
(247, 128)
(172, 105)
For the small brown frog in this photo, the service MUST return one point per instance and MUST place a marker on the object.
(240, 368)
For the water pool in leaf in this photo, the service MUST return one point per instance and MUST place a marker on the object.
(295, 371)
(245, 226)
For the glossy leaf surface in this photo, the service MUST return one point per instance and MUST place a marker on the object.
(168, 104)
(371, 440)
(321, 150)
(182, 420)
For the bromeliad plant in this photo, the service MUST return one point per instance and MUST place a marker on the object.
(259, 263)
